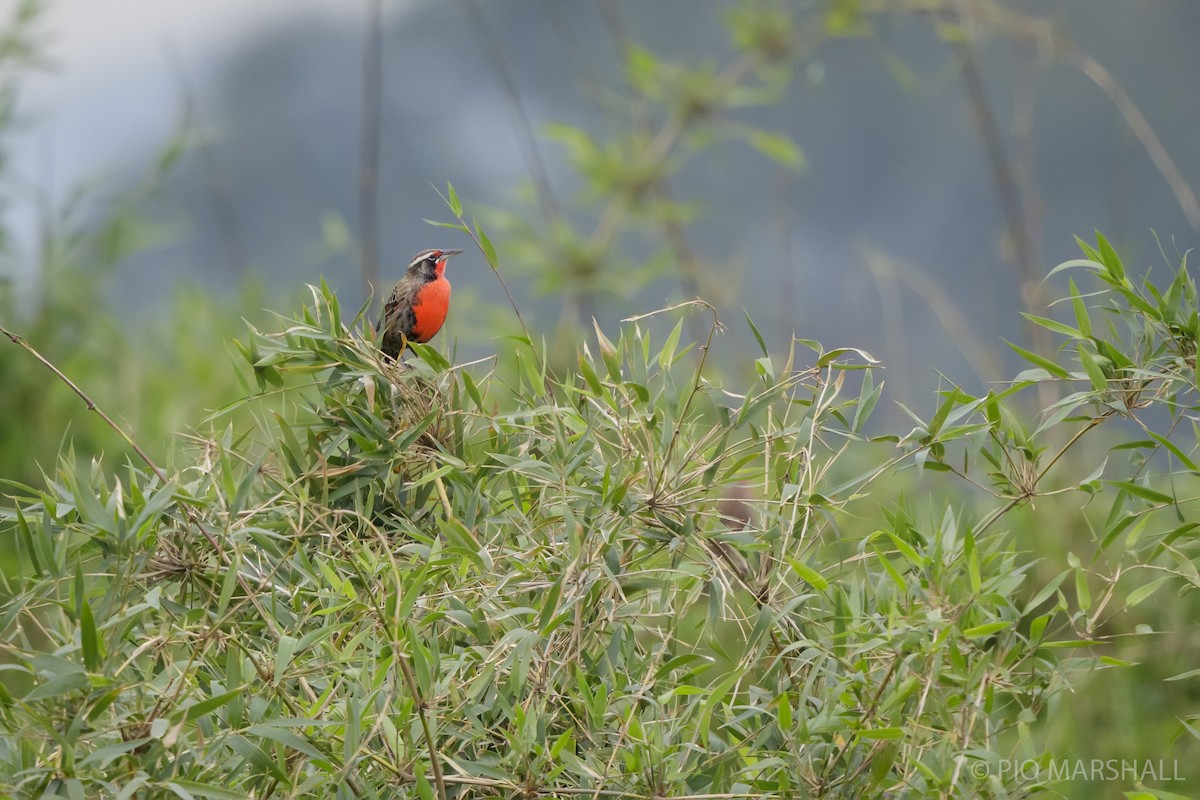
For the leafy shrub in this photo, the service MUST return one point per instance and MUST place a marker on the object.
(443, 580)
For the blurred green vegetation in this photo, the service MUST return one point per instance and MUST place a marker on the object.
(159, 374)
(157, 370)
(598, 560)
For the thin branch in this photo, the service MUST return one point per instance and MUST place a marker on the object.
(89, 402)
(785, 213)
(368, 180)
(646, 683)
(1004, 181)
(712, 331)
(44, 205)
(883, 268)
(836, 756)
(1044, 33)
(1143, 130)
(1015, 501)
(616, 28)
(402, 658)
(435, 763)
(691, 272)
(989, 131)
(491, 263)
(219, 194)
(1025, 162)
(491, 47)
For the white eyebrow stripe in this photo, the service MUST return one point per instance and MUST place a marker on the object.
(424, 254)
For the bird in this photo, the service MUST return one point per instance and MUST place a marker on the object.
(417, 306)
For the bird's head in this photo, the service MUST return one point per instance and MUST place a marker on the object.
(430, 264)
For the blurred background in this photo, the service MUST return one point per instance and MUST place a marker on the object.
(894, 175)
(921, 170)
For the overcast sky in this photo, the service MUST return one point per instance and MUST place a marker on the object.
(113, 89)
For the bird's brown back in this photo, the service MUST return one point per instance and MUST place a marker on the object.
(398, 319)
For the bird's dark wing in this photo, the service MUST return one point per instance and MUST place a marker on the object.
(389, 309)
(396, 323)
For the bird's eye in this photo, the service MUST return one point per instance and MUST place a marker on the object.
(433, 257)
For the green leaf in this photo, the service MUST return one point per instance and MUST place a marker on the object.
(92, 649)
(103, 756)
(156, 503)
(1050, 366)
(778, 148)
(472, 390)
(1083, 595)
(59, 685)
(283, 655)
(589, 375)
(1142, 592)
(808, 574)
(1044, 593)
(414, 433)
(1081, 313)
(1053, 325)
(78, 590)
(666, 356)
(973, 570)
(1086, 263)
(456, 226)
(1117, 662)
(276, 733)
(201, 708)
(1179, 454)
(229, 583)
(867, 399)
(1094, 373)
(891, 570)
(1038, 627)
(715, 698)
(424, 788)
(785, 711)
(758, 337)
(880, 733)
(986, 629)
(430, 355)
(489, 250)
(913, 557)
(194, 788)
(549, 606)
(1137, 490)
(27, 539)
(644, 71)
(1110, 259)
(452, 198)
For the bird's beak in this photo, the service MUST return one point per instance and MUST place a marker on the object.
(447, 253)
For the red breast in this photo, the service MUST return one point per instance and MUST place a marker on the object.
(430, 305)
